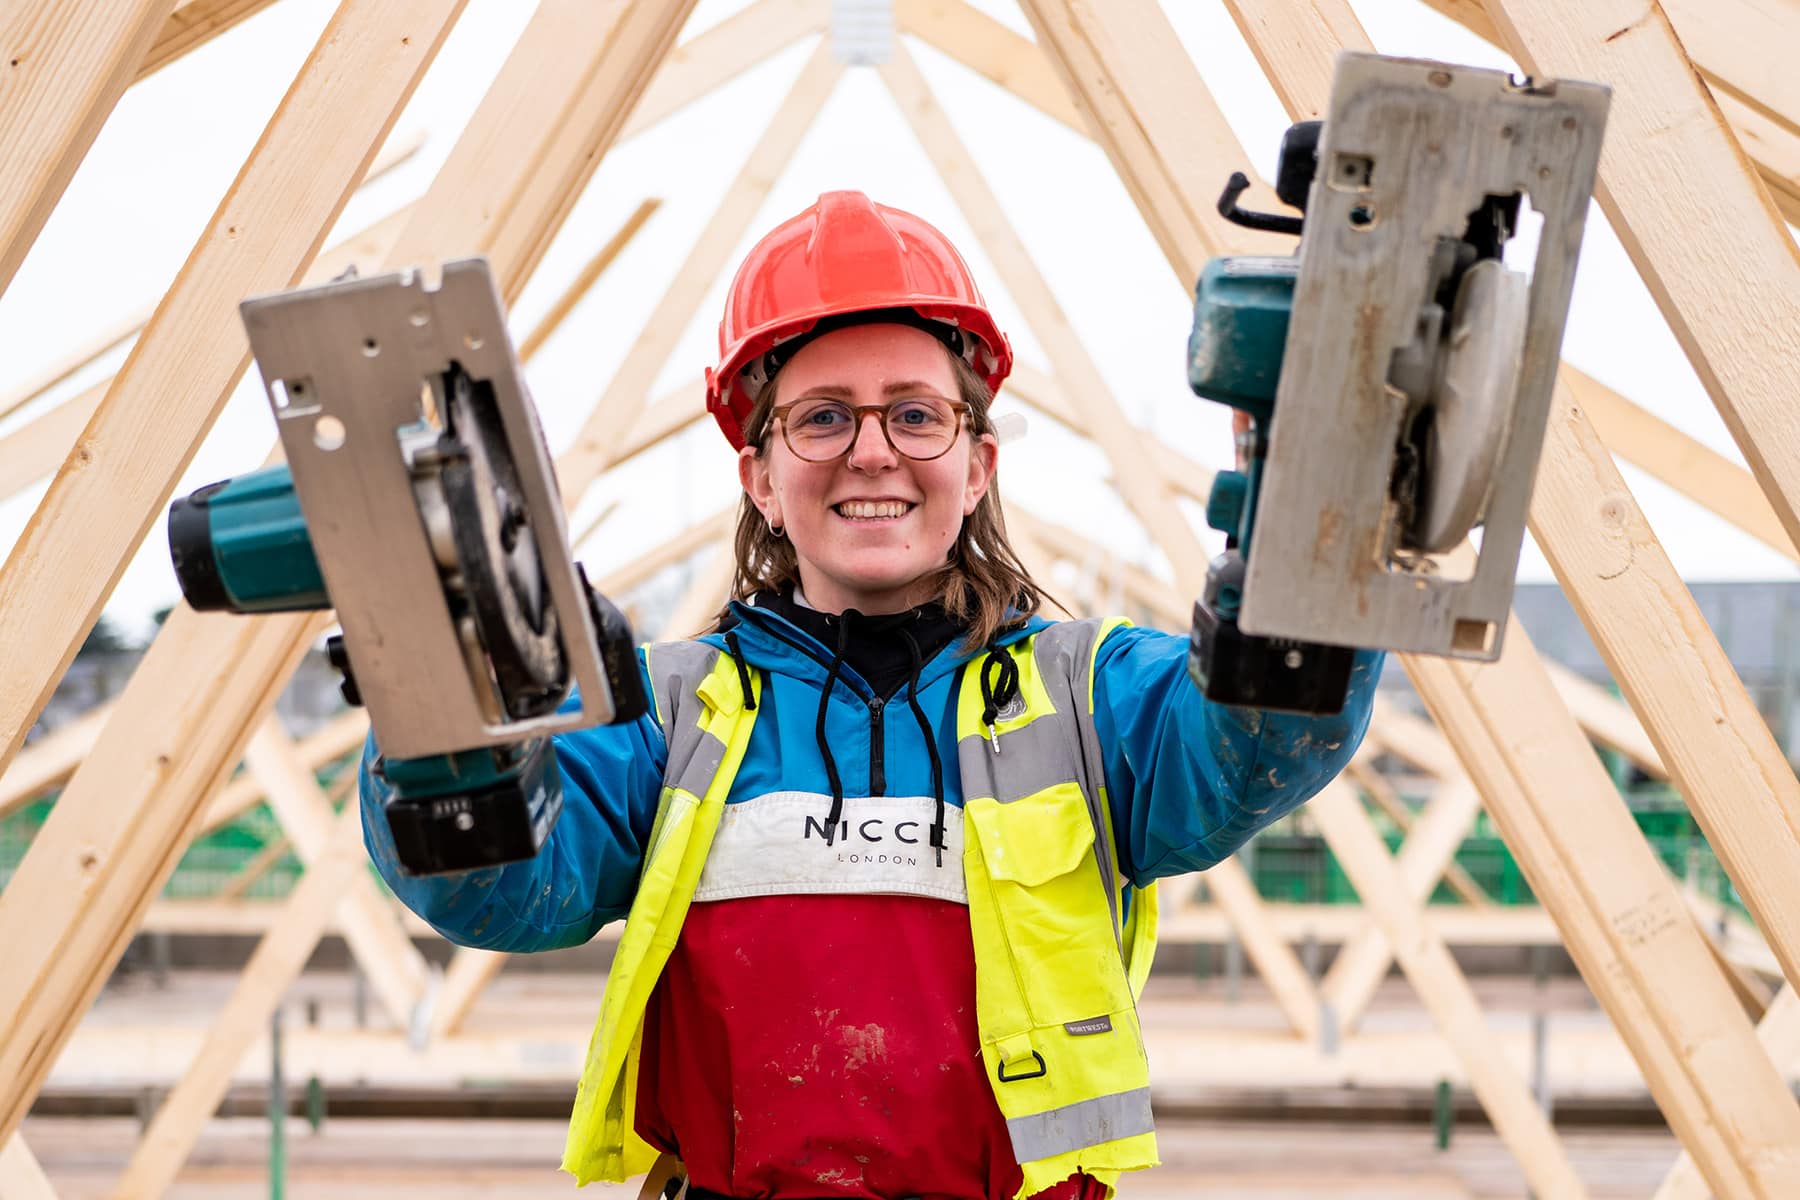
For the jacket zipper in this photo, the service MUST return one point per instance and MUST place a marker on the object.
(877, 772)
(877, 767)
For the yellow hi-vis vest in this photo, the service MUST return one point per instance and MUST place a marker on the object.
(1058, 967)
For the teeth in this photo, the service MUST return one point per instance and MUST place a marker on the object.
(871, 509)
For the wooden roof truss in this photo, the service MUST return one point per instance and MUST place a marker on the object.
(141, 779)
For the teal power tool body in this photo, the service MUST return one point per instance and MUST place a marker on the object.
(1241, 315)
(240, 545)
(1396, 370)
(419, 501)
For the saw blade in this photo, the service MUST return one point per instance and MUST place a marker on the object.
(501, 575)
(1472, 405)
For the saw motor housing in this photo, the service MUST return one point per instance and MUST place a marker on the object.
(1398, 374)
(420, 502)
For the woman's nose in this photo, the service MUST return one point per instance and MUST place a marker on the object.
(870, 450)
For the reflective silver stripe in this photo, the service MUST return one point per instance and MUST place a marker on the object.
(676, 671)
(703, 762)
(1031, 759)
(1065, 659)
(1077, 1126)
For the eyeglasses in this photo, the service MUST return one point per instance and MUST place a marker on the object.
(819, 430)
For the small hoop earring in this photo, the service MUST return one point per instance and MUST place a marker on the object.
(776, 531)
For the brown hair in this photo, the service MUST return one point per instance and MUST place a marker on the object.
(982, 582)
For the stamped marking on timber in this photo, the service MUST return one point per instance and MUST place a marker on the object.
(1643, 922)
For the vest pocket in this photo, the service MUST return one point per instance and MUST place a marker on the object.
(1049, 917)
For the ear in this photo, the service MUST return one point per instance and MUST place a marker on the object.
(984, 456)
(753, 473)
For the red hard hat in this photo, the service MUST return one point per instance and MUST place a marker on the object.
(844, 255)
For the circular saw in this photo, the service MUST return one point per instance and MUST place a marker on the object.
(1396, 371)
(419, 501)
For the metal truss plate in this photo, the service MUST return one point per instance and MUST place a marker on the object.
(346, 366)
(1409, 151)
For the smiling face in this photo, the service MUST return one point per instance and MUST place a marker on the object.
(871, 527)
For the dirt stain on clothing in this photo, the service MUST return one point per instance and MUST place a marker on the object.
(863, 1044)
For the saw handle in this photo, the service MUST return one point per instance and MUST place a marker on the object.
(473, 809)
(1236, 186)
(1294, 171)
(1232, 667)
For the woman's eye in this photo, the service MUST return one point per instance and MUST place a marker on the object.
(824, 417)
(915, 414)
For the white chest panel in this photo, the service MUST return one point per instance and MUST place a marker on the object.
(776, 845)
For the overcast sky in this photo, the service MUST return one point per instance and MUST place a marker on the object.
(172, 147)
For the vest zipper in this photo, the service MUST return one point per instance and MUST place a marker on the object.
(877, 773)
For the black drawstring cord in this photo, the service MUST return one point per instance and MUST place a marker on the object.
(937, 763)
(997, 694)
(831, 771)
(737, 656)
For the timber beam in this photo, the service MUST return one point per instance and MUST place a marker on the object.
(1679, 461)
(595, 447)
(371, 926)
(1393, 904)
(1717, 258)
(991, 49)
(65, 64)
(21, 1178)
(1743, 50)
(1694, 1098)
(35, 449)
(722, 53)
(277, 961)
(205, 683)
(193, 24)
(368, 246)
(1622, 919)
(193, 352)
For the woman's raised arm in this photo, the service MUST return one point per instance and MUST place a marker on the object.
(584, 876)
(1190, 780)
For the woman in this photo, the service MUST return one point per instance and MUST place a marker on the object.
(886, 838)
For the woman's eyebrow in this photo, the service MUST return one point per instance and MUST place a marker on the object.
(838, 391)
(910, 385)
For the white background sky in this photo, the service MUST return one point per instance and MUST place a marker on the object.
(172, 147)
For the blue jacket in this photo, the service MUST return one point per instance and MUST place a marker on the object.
(1188, 780)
